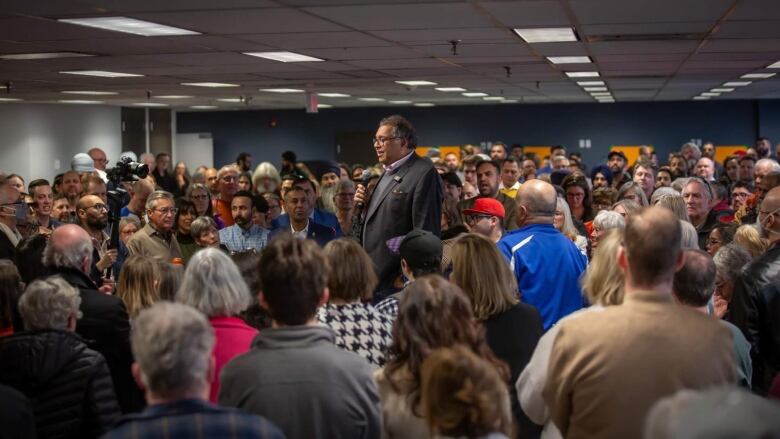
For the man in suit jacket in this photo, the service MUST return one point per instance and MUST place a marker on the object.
(319, 216)
(9, 205)
(104, 324)
(408, 196)
(296, 203)
(608, 368)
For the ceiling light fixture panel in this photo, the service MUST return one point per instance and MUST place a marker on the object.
(334, 95)
(173, 97)
(590, 83)
(424, 104)
(757, 75)
(722, 90)
(493, 98)
(89, 92)
(710, 94)
(203, 107)
(582, 74)
(371, 99)
(210, 84)
(415, 83)
(474, 95)
(130, 26)
(589, 89)
(101, 73)
(149, 104)
(78, 101)
(546, 35)
(775, 65)
(284, 56)
(569, 59)
(400, 102)
(737, 83)
(281, 90)
(42, 55)
(450, 89)
(10, 99)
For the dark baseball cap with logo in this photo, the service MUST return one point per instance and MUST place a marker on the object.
(419, 248)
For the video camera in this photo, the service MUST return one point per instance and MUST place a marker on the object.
(126, 170)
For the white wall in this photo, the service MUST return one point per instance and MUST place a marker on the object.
(34, 136)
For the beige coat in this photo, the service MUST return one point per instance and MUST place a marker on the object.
(607, 369)
(149, 243)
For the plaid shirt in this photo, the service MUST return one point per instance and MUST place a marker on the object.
(237, 239)
(193, 418)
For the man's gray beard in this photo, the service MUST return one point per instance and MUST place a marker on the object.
(326, 199)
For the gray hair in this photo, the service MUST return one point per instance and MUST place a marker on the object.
(633, 186)
(608, 220)
(729, 261)
(660, 192)
(68, 256)
(694, 282)
(201, 224)
(48, 303)
(266, 169)
(690, 237)
(345, 183)
(568, 225)
(675, 203)
(706, 188)
(151, 202)
(129, 220)
(213, 285)
(679, 183)
(770, 163)
(691, 145)
(172, 344)
(401, 128)
(227, 168)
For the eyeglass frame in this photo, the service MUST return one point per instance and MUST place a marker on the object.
(384, 141)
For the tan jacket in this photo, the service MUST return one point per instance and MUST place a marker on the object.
(148, 242)
(607, 369)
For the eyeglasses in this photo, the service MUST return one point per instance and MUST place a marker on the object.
(740, 194)
(167, 210)
(384, 140)
(476, 218)
(99, 207)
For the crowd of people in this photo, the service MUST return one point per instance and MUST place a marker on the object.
(482, 294)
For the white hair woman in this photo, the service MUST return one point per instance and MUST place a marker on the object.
(213, 285)
(69, 384)
(605, 220)
(266, 178)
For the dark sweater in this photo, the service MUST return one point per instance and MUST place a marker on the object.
(513, 335)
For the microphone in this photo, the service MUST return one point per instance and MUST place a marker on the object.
(364, 179)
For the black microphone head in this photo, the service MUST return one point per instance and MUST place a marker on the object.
(366, 177)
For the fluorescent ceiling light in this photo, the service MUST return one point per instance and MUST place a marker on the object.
(284, 56)
(569, 59)
(42, 55)
(78, 101)
(757, 75)
(101, 73)
(595, 88)
(414, 83)
(600, 93)
(324, 106)
(203, 107)
(547, 35)
(606, 101)
(774, 65)
(334, 95)
(509, 101)
(474, 95)
(281, 90)
(400, 102)
(493, 98)
(173, 97)
(89, 92)
(9, 99)
(231, 100)
(149, 104)
(424, 104)
(449, 89)
(371, 99)
(700, 98)
(722, 90)
(711, 94)
(129, 26)
(589, 83)
(209, 84)
(737, 83)
(582, 74)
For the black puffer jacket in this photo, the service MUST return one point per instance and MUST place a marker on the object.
(68, 384)
(755, 309)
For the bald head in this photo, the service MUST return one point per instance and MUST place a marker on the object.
(88, 201)
(648, 235)
(69, 247)
(142, 188)
(538, 197)
(771, 201)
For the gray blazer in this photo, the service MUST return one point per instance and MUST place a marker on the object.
(412, 200)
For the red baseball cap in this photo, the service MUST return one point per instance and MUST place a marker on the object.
(486, 206)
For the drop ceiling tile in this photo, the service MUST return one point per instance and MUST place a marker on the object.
(647, 11)
(651, 28)
(403, 16)
(476, 50)
(126, 46)
(31, 29)
(756, 10)
(749, 29)
(743, 45)
(138, 6)
(528, 13)
(400, 63)
(243, 21)
(363, 53)
(316, 40)
(447, 34)
(645, 57)
(642, 47)
(560, 49)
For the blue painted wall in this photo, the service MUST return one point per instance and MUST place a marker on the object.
(666, 125)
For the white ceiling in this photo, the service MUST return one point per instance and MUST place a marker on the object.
(645, 50)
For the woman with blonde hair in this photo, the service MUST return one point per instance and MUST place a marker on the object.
(138, 282)
(359, 327)
(492, 289)
(266, 178)
(463, 395)
(564, 223)
(603, 287)
(676, 204)
(434, 314)
(747, 237)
